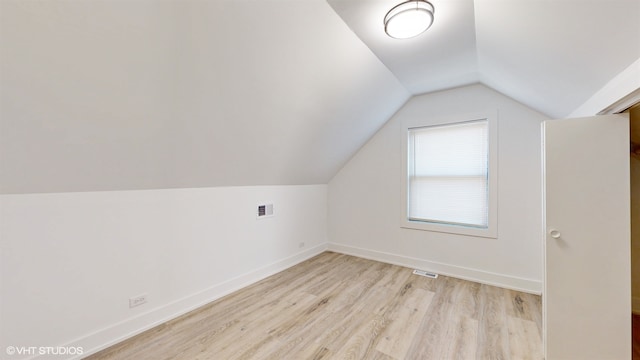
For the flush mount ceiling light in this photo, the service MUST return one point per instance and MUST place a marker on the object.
(408, 19)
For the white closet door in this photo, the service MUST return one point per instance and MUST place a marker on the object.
(587, 295)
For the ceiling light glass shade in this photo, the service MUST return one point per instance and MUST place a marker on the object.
(408, 19)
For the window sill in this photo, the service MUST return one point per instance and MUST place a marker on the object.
(490, 232)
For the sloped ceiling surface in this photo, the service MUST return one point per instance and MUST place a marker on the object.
(115, 95)
(443, 57)
(144, 94)
(551, 55)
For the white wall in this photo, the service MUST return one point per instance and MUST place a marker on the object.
(70, 261)
(365, 203)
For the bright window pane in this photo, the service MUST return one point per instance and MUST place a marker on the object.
(448, 174)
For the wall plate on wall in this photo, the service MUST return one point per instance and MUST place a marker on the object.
(265, 210)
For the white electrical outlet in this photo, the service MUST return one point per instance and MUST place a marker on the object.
(137, 300)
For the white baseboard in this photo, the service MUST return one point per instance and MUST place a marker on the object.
(635, 305)
(111, 335)
(484, 277)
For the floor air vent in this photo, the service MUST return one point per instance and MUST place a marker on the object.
(425, 273)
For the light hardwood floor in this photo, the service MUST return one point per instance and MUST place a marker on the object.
(336, 306)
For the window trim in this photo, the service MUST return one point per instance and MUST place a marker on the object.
(492, 229)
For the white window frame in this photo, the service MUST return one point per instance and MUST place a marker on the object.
(491, 231)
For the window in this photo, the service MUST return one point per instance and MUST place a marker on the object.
(450, 179)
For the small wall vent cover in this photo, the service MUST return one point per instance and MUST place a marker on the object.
(425, 273)
(265, 210)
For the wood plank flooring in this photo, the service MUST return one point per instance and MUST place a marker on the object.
(336, 306)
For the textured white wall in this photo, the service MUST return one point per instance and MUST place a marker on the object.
(365, 203)
(71, 261)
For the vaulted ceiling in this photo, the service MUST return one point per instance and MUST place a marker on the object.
(118, 95)
(551, 55)
(147, 94)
